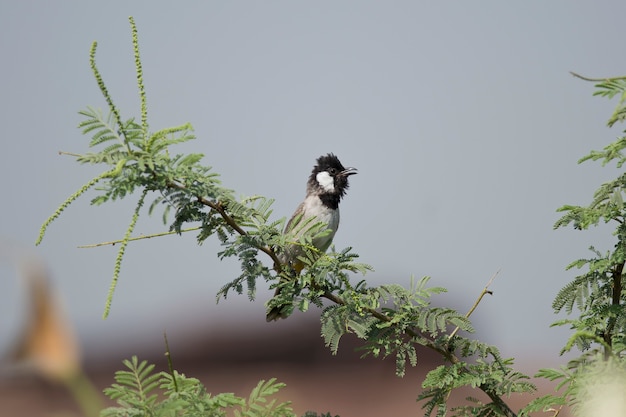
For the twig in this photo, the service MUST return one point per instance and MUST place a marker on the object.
(70, 154)
(484, 292)
(596, 79)
(221, 210)
(114, 242)
(170, 365)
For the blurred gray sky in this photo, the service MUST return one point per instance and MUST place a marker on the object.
(461, 117)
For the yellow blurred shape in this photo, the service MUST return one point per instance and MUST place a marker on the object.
(48, 343)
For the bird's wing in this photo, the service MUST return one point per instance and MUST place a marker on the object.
(297, 216)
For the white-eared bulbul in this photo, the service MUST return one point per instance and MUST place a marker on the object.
(326, 186)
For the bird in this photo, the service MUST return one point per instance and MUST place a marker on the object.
(325, 188)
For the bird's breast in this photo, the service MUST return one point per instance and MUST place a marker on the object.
(314, 207)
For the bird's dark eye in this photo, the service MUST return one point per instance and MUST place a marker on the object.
(332, 171)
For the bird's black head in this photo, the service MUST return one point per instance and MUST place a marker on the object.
(329, 177)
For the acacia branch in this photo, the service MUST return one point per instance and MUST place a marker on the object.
(448, 355)
(218, 206)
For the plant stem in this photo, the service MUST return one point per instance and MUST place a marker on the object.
(85, 394)
(596, 79)
(484, 292)
(115, 242)
(616, 300)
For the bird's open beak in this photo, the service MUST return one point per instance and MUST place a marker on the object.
(348, 171)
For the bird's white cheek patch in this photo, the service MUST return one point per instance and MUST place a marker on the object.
(326, 181)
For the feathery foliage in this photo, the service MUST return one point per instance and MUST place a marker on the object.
(391, 320)
(136, 388)
(598, 293)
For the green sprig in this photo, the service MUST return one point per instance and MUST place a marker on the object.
(120, 254)
(70, 200)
